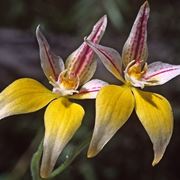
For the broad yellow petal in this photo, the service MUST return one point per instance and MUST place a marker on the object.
(114, 105)
(62, 119)
(24, 96)
(155, 114)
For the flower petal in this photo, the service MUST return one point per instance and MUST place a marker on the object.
(159, 73)
(88, 74)
(90, 89)
(114, 105)
(79, 61)
(155, 114)
(51, 64)
(62, 119)
(135, 47)
(109, 57)
(24, 96)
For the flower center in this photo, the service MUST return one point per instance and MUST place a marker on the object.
(68, 81)
(134, 73)
(66, 84)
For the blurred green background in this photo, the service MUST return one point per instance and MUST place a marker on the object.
(65, 22)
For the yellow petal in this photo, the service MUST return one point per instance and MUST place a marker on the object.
(23, 96)
(155, 114)
(114, 105)
(62, 119)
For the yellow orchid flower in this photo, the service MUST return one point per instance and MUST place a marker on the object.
(114, 104)
(62, 117)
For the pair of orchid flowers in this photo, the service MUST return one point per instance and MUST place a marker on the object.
(114, 104)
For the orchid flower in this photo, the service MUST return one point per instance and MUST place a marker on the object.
(71, 80)
(114, 104)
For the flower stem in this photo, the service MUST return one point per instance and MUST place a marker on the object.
(35, 163)
(70, 159)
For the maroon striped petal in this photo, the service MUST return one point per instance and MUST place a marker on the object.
(159, 73)
(135, 47)
(51, 64)
(109, 57)
(90, 89)
(79, 61)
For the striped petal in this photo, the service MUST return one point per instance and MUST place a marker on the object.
(79, 61)
(90, 89)
(62, 119)
(88, 74)
(155, 114)
(114, 105)
(109, 57)
(159, 73)
(24, 96)
(135, 47)
(51, 64)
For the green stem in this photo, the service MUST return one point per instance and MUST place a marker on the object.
(70, 159)
(35, 163)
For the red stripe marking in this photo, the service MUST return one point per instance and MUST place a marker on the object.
(140, 29)
(160, 72)
(87, 48)
(50, 62)
(86, 91)
(106, 55)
